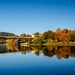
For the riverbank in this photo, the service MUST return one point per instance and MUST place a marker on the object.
(56, 44)
(59, 44)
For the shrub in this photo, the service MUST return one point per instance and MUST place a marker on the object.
(12, 41)
(38, 41)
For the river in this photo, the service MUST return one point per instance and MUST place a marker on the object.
(37, 60)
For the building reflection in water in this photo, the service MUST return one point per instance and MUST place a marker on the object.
(59, 51)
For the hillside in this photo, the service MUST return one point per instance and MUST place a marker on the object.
(7, 34)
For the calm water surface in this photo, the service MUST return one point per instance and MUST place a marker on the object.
(37, 60)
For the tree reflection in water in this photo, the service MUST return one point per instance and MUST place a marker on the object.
(59, 51)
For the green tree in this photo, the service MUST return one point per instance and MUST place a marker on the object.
(37, 34)
(48, 35)
(38, 41)
(23, 35)
(72, 37)
(44, 35)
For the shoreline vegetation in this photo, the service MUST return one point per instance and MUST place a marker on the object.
(55, 44)
(57, 38)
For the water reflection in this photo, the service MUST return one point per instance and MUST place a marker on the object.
(59, 51)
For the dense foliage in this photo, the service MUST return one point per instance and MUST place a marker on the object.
(60, 35)
(64, 36)
(12, 41)
(48, 35)
(38, 41)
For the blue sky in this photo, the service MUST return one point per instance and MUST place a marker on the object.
(30, 16)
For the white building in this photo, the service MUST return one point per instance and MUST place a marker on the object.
(33, 35)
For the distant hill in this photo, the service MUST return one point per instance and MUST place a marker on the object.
(7, 34)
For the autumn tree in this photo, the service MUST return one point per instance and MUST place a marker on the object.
(48, 35)
(12, 41)
(68, 36)
(58, 30)
(66, 30)
(56, 34)
(62, 35)
(28, 35)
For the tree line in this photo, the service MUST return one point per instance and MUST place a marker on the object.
(59, 35)
(64, 35)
